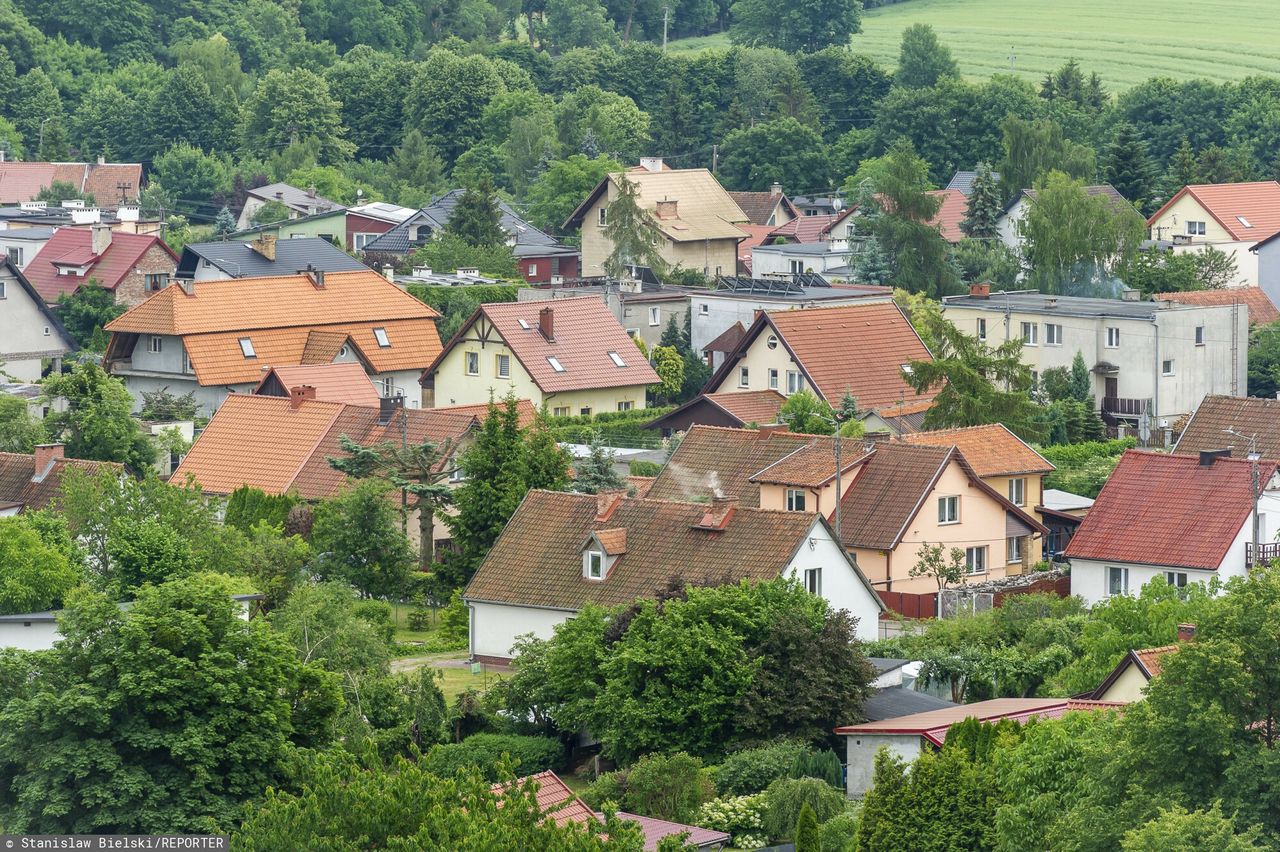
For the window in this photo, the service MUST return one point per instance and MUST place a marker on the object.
(655, 317)
(359, 240)
(744, 377)
(626, 405)
(388, 387)
(1052, 334)
(156, 281)
(15, 254)
(472, 366)
(1018, 491)
(1030, 333)
(773, 379)
(585, 411)
(602, 216)
(1113, 337)
(560, 411)
(1196, 229)
(1013, 548)
(46, 331)
(975, 560)
(982, 329)
(1117, 581)
(533, 270)
(186, 361)
(380, 335)
(344, 351)
(157, 343)
(813, 581)
(555, 364)
(704, 309)
(617, 359)
(246, 348)
(771, 341)
(595, 559)
(1166, 367)
(1199, 335)
(1176, 578)
(502, 366)
(795, 382)
(797, 267)
(1, 289)
(795, 499)
(948, 510)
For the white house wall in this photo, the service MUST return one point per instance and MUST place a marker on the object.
(860, 754)
(39, 636)
(495, 627)
(840, 585)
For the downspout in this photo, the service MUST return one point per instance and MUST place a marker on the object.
(1155, 394)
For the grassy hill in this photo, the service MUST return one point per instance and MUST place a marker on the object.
(1125, 41)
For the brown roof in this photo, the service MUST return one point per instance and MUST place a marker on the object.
(1232, 205)
(555, 799)
(1151, 500)
(1262, 311)
(759, 206)
(21, 484)
(933, 724)
(727, 340)
(704, 211)
(714, 458)
(346, 382)
(806, 229)
(992, 450)
(813, 464)
(906, 418)
(640, 484)
(537, 560)
(23, 181)
(750, 406)
(584, 333)
(1207, 428)
(269, 443)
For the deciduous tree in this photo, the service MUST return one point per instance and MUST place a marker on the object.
(922, 59)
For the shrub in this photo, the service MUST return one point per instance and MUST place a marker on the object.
(378, 614)
(419, 619)
(669, 787)
(786, 797)
(609, 787)
(824, 765)
(806, 832)
(754, 769)
(247, 506)
(455, 622)
(640, 467)
(740, 816)
(839, 834)
(528, 755)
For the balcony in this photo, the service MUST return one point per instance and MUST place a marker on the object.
(1264, 554)
(1119, 406)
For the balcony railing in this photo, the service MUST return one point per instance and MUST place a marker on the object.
(1263, 554)
(1124, 406)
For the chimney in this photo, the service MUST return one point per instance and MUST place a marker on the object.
(299, 395)
(607, 501)
(387, 408)
(651, 164)
(188, 285)
(46, 455)
(389, 272)
(101, 239)
(102, 161)
(547, 323)
(718, 513)
(1128, 294)
(315, 276)
(1, 155)
(311, 191)
(279, 195)
(1186, 632)
(265, 245)
(667, 209)
(980, 291)
(776, 189)
(1208, 457)
(422, 272)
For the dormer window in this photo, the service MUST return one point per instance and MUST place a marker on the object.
(593, 564)
(380, 334)
(246, 348)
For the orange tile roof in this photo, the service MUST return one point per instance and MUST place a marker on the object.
(955, 207)
(1257, 203)
(713, 457)
(759, 407)
(1262, 311)
(640, 484)
(757, 235)
(555, 799)
(813, 464)
(1152, 659)
(992, 450)
(614, 541)
(346, 382)
(322, 346)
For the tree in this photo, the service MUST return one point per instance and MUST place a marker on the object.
(805, 414)
(596, 472)
(577, 23)
(556, 192)
(782, 151)
(142, 551)
(276, 562)
(100, 710)
(984, 206)
(357, 540)
(96, 423)
(923, 60)
(446, 98)
(1176, 828)
(1264, 361)
(85, 311)
(160, 404)
(224, 223)
(288, 106)
(34, 575)
(631, 231)
(943, 567)
(477, 219)
(1126, 167)
(416, 164)
(802, 27)
(1068, 83)
(669, 365)
(1034, 148)
(59, 191)
(19, 431)
(269, 213)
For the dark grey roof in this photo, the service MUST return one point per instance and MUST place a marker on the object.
(294, 198)
(886, 664)
(28, 233)
(1073, 306)
(239, 260)
(29, 616)
(897, 701)
(963, 181)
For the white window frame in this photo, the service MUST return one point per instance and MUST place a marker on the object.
(982, 328)
(593, 565)
(471, 363)
(773, 378)
(1031, 334)
(246, 348)
(533, 270)
(1113, 337)
(617, 359)
(186, 361)
(388, 387)
(796, 267)
(1117, 581)
(1018, 491)
(744, 377)
(380, 335)
(1013, 550)
(1052, 334)
(655, 316)
(975, 559)
(813, 581)
(602, 216)
(704, 309)
(502, 365)
(796, 500)
(1168, 367)
(948, 510)
(15, 253)
(1199, 335)
(795, 382)
(155, 344)
(560, 411)
(555, 364)
(1195, 228)
(626, 405)
(1177, 579)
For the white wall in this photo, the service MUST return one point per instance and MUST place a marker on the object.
(1268, 260)
(860, 754)
(840, 584)
(23, 341)
(39, 636)
(494, 627)
(1246, 261)
(722, 311)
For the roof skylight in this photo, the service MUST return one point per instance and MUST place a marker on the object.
(555, 364)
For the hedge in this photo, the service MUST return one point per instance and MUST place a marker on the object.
(529, 755)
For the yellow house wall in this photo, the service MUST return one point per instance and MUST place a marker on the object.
(1174, 221)
(1034, 490)
(817, 500)
(758, 360)
(1128, 687)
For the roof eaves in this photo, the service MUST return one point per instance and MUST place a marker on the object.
(819, 518)
(575, 218)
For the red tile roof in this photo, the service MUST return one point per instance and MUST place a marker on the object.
(756, 235)
(555, 799)
(584, 333)
(759, 206)
(21, 484)
(23, 181)
(813, 464)
(656, 829)
(759, 407)
(1150, 502)
(955, 206)
(806, 229)
(347, 382)
(992, 450)
(934, 724)
(1262, 311)
(727, 340)
(1152, 659)
(1207, 428)
(712, 457)
(1257, 203)
(73, 246)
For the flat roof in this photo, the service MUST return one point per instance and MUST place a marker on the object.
(817, 249)
(1071, 306)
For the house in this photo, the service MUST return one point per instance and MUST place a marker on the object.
(21, 245)
(818, 205)
(766, 208)
(263, 256)
(31, 334)
(1138, 527)
(214, 338)
(1262, 310)
(1231, 217)
(569, 355)
(962, 181)
(33, 482)
(1128, 681)
(855, 349)
(539, 256)
(107, 183)
(132, 266)
(561, 551)
(953, 210)
(349, 228)
(718, 349)
(300, 202)
(1016, 210)
(342, 382)
(896, 420)
(1061, 512)
(1256, 422)
(696, 220)
(753, 408)
(1266, 254)
(644, 308)
(907, 736)
(1147, 359)
(557, 802)
(75, 213)
(893, 698)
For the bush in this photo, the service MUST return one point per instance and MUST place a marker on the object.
(609, 787)
(786, 796)
(839, 834)
(378, 614)
(247, 506)
(824, 765)
(754, 769)
(671, 787)
(455, 622)
(529, 755)
(639, 467)
(740, 816)
(419, 619)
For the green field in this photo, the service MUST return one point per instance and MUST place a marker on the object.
(1125, 41)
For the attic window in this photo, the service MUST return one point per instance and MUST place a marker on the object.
(594, 565)
(523, 324)
(772, 341)
(380, 334)
(1244, 221)
(246, 348)
(555, 364)
(617, 359)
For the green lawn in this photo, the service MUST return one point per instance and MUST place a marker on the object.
(1125, 41)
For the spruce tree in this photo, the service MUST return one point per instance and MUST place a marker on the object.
(596, 472)
(1125, 165)
(477, 219)
(807, 838)
(632, 232)
(224, 224)
(984, 207)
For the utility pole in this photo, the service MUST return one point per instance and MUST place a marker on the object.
(1253, 478)
(715, 158)
(666, 17)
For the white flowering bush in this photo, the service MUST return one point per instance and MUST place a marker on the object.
(740, 816)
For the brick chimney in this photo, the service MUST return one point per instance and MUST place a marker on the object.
(299, 395)
(46, 455)
(667, 209)
(265, 245)
(980, 291)
(1186, 632)
(101, 239)
(718, 513)
(607, 502)
(547, 323)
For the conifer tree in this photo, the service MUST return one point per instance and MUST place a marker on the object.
(984, 207)
(632, 232)
(596, 472)
(224, 224)
(477, 219)
(1126, 167)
